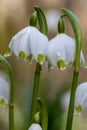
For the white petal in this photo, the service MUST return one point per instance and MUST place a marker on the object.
(38, 44)
(29, 43)
(81, 97)
(35, 127)
(4, 91)
(62, 47)
(20, 42)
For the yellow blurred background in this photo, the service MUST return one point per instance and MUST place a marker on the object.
(14, 15)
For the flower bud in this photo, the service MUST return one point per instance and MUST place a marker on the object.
(61, 26)
(35, 126)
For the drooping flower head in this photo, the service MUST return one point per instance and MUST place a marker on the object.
(61, 51)
(30, 44)
(35, 126)
(81, 98)
(4, 92)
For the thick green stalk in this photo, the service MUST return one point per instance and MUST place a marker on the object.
(11, 102)
(71, 104)
(78, 37)
(43, 28)
(35, 90)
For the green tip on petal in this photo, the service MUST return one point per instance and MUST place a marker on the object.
(78, 109)
(21, 54)
(2, 102)
(46, 58)
(61, 64)
(29, 58)
(8, 52)
(40, 58)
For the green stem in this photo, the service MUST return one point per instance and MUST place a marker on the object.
(44, 30)
(71, 104)
(61, 27)
(78, 37)
(11, 102)
(42, 20)
(35, 90)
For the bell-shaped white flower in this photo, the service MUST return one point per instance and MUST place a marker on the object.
(81, 98)
(35, 126)
(4, 92)
(61, 51)
(38, 46)
(29, 44)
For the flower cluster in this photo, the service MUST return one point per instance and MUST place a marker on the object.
(31, 44)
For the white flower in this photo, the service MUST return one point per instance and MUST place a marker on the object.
(81, 98)
(30, 44)
(61, 51)
(38, 46)
(35, 126)
(4, 92)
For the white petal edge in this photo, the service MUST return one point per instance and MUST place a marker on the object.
(35, 126)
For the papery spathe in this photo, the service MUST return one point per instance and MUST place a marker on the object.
(61, 51)
(81, 98)
(35, 126)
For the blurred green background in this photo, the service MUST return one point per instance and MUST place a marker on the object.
(54, 85)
